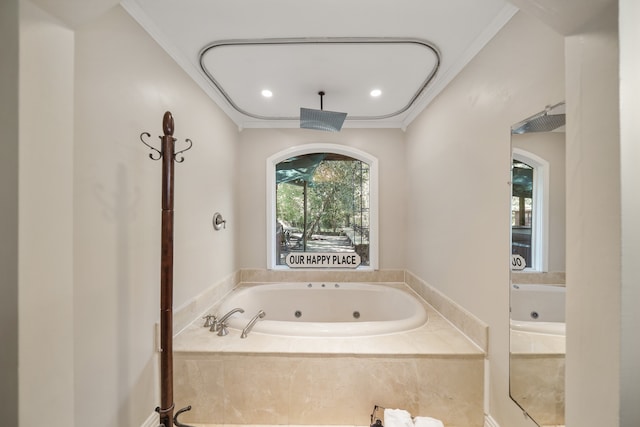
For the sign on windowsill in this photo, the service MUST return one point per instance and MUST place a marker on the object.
(323, 260)
(518, 263)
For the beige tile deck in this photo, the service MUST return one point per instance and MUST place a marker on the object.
(436, 337)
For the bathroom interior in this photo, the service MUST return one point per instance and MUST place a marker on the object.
(92, 79)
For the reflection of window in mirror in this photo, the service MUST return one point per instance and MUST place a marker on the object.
(521, 210)
(323, 203)
(529, 209)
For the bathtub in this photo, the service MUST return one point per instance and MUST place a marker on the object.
(538, 308)
(537, 318)
(324, 309)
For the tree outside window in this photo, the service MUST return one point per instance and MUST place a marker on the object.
(322, 205)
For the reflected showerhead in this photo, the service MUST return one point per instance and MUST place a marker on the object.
(320, 119)
(545, 121)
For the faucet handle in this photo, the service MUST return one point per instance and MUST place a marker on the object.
(218, 221)
(208, 322)
(222, 329)
(215, 326)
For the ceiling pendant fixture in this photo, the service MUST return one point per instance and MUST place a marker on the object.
(320, 119)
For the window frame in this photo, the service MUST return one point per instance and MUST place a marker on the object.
(278, 157)
(540, 212)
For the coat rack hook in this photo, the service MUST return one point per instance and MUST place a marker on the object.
(168, 126)
(178, 413)
(177, 157)
(152, 156)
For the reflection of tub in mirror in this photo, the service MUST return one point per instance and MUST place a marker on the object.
(537, 318)
(538, 228)
(537, 351)
(537, 303)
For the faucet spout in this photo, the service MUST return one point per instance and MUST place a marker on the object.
(221, 326)
(252, 322)
(226, 316)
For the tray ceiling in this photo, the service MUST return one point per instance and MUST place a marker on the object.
(407, 50)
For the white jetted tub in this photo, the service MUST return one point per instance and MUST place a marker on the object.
(538, 308)
(324, 309)
(537, 319)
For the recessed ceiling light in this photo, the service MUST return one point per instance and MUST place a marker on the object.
(375, 93)
(267, 93)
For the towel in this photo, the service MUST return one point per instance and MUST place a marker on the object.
(397, 418)
(427, 422)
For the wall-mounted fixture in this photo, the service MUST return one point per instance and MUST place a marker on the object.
(218, 221)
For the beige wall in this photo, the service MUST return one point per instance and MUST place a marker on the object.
(9, 160)
(458, 169)
(550, 146)
(46, 218)
(124, 82)
(593, 232)
(257, 145)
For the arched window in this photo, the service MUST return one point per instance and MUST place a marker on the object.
(530, 209)
(322, 199)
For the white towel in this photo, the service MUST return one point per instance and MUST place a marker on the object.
(397, 418)
(427, 422)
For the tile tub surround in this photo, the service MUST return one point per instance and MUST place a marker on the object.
(227, 388)
(541, 278)
(438, 337)
(470, 325)
(540, 383)
(537, 364)
(257, 425)
(194, 309)
(431, 371)
(271, 276)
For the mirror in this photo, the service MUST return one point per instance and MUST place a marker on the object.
(537, 297)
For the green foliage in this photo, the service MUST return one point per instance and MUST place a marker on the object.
(290, 204)
(336, 198)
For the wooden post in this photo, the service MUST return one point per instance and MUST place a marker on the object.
(168, 155)
(166, 274)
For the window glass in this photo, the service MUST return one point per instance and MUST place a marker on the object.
(322, 206)
(522, 210)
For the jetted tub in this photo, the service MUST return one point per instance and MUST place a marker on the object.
(537, 319)
(324, 309)
(538, 308)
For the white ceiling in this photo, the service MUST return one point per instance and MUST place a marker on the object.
(457, 29)
(409, 49)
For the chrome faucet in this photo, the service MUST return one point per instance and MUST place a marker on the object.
(221, 326)
(252, 322)
(209, 320)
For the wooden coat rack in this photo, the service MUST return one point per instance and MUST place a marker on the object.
(168, 155)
